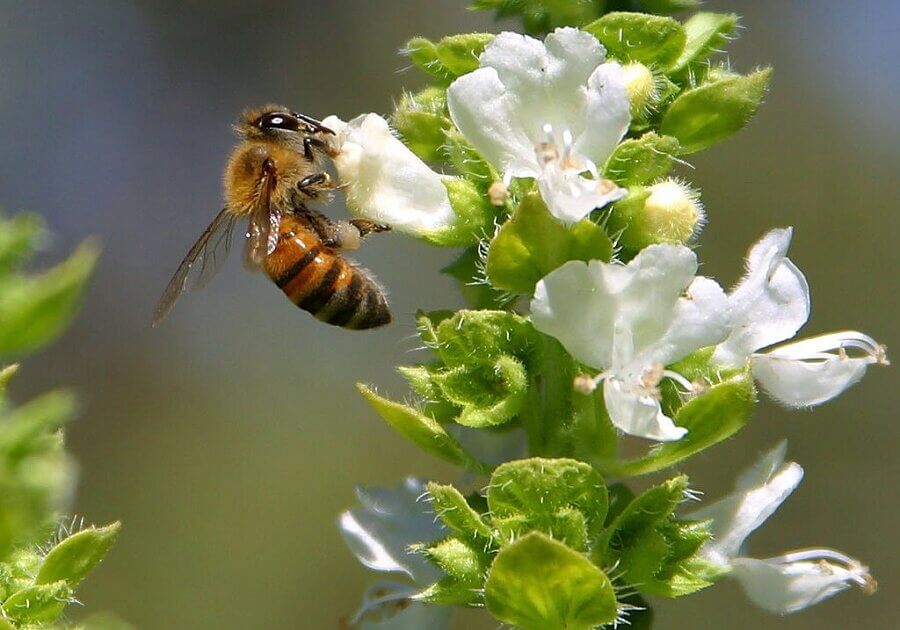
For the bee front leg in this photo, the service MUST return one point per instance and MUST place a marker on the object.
(367, 227)
(312, 186)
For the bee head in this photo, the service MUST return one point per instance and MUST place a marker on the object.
(277, 122)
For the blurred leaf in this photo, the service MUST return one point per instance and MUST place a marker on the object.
(423, 53)
(537, 583)
(74, 557)
(35, 310)
(669, 6)
(643, 160)
(714, 111)
(19, 237)
(649, 39)
(533, 243)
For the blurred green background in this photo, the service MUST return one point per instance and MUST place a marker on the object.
(229, 440)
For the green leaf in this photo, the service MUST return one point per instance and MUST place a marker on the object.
(705, 33)
(73, 558)
(714, 111)
(459, 53)
(533, 243)
(456, 513)
(649, 39)
(709, 418)
(423, 53)
(421, 119)
(643, 160)
(420, 429)
(41, 603)
(537, 583)
(564, 498)
(35, 310)
(471, 337)
(27, 428)
(459, 560)
(669, 6)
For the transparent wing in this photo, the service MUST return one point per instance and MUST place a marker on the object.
(265, 220)
(201, 263)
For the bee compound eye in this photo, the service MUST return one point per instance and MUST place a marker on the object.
(279, 121)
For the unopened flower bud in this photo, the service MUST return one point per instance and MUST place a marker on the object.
(666, 212)
(641, 87)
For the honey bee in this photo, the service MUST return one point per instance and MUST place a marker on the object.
(272, 174)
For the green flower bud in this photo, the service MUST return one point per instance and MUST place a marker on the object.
(666, 212)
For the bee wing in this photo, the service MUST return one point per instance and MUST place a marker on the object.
(202, 262)
(265, 221)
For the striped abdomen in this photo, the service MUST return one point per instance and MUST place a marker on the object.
(318, 280)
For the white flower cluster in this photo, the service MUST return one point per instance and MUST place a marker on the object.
(630, 321)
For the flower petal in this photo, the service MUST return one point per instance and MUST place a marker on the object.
(787, 588)
(574, 304)
(385, 181)
(638, 415)
(380, 532)
(607, 114)
(796, 381)
(770, 304)
(485, 113)
(571, 197)
(762, 489)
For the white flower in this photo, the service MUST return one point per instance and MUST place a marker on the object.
(385, 182)
(781, 584)
(379, 533)
(770, 304)
(629, 321)
(549, 110)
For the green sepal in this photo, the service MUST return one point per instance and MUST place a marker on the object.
(474, 215)
(420, 429)
(643, 160)
(468, 337)
(714, 111)
(657, 552)
(563, 498)
(423, 53)
(37, 604)
(462, 561)
(467, 161)
(459, 53)
(706, 32)
(709, 418)
(533, 243)
(455, 512)
(74, 557)
(653, 40)
(433, 403)
(537, 583)
(468, 273)
(488, 394)
(421, 119)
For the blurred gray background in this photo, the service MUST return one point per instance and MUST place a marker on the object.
(229, 440)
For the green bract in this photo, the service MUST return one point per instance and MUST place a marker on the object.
(532, 244)
(714, 111)
(650, 39)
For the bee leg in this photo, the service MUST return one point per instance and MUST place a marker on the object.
(313, 185)
(311, 145)
(367, 227)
